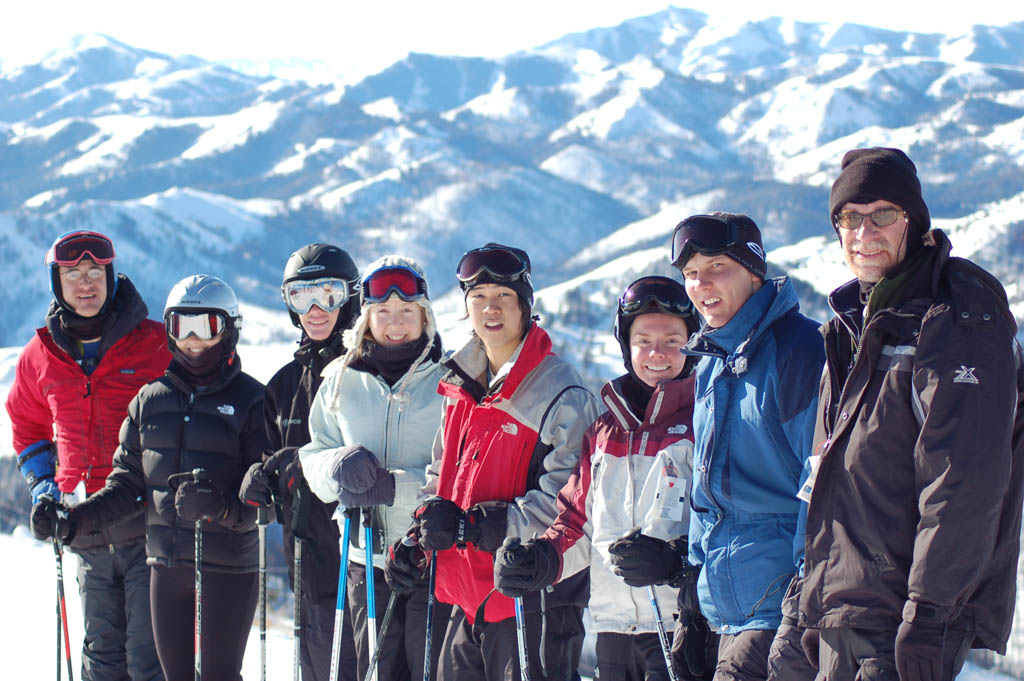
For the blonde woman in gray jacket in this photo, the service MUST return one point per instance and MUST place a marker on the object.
(372, 426)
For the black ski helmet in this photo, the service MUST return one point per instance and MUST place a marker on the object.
(316, 261)
(652, 294)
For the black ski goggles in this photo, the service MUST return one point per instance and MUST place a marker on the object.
(660, 293)
(403, 281)
(501, 263)
(706, 234)
(202, 325)
(327, 293)
(70, 250)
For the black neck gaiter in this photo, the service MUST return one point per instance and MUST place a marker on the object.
(200, 370)
(389, 362)
(82, 328)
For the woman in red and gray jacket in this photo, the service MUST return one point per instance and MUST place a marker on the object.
(514, 416)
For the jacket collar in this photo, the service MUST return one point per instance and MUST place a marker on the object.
(736, 339)
(921, 280)
(127, 311)
(468, 366)
(668, 398)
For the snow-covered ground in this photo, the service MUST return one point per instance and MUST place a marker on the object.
(29, 627)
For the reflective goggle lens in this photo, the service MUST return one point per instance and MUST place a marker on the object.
(882, 217)
(378, 286)
(328, 294)
(203, 325)
(707, 234)
(71, 250)
(649, 291)
(502, 264)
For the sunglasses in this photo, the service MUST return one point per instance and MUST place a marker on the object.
(379, 285)
(328, 293)
(70, 251)
(706, 234)
(92, 273)
(500, 263)
(883, 217)
(202, 325)
(654, 291)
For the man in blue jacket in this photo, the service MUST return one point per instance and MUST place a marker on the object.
(756, 396)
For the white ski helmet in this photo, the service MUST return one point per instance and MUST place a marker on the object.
(206, 293)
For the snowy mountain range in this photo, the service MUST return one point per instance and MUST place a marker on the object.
(586, 151)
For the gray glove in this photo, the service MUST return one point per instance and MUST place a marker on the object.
(381, 494)
(355, 469)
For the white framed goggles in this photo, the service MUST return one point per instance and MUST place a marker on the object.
(202, 325)
(328, 293)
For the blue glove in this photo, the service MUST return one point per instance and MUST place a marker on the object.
(38, 464)
(355, 469)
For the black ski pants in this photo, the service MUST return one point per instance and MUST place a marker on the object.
(402, 647)
(630, 657)
(229, 604)
(488, 651)
(113, 583)
(318, 639)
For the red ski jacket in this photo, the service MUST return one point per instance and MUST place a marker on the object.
(516, 441)
(52, 398)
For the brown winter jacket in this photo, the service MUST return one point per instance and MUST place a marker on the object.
(915, 513)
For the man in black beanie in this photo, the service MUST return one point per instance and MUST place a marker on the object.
(914, 495)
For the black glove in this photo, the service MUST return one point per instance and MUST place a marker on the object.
(197, 499)
(257, 486)
(810, 641)
(694, 648)
(355, 468)
(438, 519)
(919, 651)
(520, 569)
(50, 518)
(381, 494)
(405, 565)
(642, 560)
(485, 526)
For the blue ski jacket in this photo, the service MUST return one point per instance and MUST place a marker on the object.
(756, 397)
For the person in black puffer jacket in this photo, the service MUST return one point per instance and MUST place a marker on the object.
(318, 286)
(204, 413)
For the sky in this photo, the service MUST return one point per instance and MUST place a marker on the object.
(358, 38)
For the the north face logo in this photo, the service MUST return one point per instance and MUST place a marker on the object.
(965, 375)
(510, 428)
(226, 409)
(679, 429)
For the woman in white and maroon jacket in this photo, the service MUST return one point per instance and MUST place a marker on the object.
(627, 502)
(514, 416)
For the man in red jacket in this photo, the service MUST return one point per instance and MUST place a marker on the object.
(69, 397)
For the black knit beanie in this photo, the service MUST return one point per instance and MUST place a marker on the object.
(881, 174)
(748, 249)
(523, 285)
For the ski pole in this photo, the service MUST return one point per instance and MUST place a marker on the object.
(262, 518)
(383, 630)
(407, 540)
(427, 666)
(197, 475)
(524, 658)
(59, 629)
(297, 609)
(63, 609)
(371, 597)
(300, 512)
(339, 610)
(666, 650)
